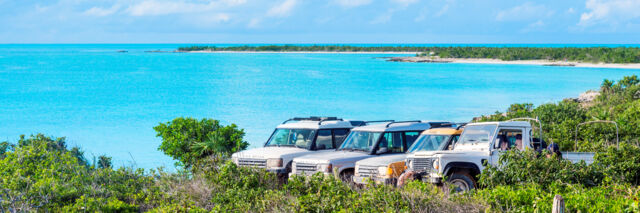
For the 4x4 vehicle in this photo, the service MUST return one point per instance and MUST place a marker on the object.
(387, 138)
(480, 144)
(386, 169)
(296, 137)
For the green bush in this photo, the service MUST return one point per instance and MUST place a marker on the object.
(621, 165)
(577, 198)
(187, 139)
(528, 167)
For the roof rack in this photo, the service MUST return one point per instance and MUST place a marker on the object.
(313, 118)
(395, 122)
(460, 125)
(357, 123)
(378, 121)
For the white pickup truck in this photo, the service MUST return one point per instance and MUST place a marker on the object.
(387, 169)
(296, 137)
(480, 144)
(388, 138)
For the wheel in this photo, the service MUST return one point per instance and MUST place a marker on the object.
(462, 182)
(347, 176)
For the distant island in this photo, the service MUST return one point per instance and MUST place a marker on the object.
(610, 57)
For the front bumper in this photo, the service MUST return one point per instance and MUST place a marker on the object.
(377, 180)
(433, 180)
(279, 171)
(309, 174)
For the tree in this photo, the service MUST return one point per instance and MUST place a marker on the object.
(188, 139)
(104, 162)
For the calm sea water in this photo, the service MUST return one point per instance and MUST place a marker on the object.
(107, 102)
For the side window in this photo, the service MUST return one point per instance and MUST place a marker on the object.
(323, 141)
(411, 137)
(508, 139)
(339, 135)
(393, 141)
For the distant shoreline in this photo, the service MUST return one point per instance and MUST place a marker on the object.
(426, 59)
(294, 52)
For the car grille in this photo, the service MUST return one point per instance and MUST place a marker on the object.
(421, 164)
(367, 171)
(306, 168)
(259, 163)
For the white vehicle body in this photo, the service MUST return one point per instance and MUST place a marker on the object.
(387, 169)
(478, 146)
(277, 157)
(343, 160)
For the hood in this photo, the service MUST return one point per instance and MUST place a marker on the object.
(270, 152)
(382, 160)
(333, 157)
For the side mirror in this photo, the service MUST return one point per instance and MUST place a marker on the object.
(382, 150)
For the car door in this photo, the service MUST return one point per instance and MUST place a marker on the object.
(506, 139)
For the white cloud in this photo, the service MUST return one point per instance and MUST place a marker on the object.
(351, 3)
(165, 7)
(535, 26)
(153, 7)
(98, 11)
(524, 12)
(383, 18)
(442, 11)
(612, 12)
(404, 3)
(283, 9)
(571, 10)
(254, 23)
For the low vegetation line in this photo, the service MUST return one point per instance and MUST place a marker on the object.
(578, 54)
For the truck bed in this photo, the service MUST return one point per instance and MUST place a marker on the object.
(576, 157)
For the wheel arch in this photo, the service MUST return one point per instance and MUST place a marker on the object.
(453, 167)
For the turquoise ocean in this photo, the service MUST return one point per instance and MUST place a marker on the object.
(107, 102)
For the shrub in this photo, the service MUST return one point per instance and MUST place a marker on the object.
(187, 139)
(621, 165)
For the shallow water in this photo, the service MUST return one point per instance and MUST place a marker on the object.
(107, 102)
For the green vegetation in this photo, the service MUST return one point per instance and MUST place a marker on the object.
(581, 54)
(40, 173)
(617, 101)
(188, 140)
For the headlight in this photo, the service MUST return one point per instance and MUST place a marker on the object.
(408, 164)
(383, 171)
(274, 162)
(325, 168)
(436, 165)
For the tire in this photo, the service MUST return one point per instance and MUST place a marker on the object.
(461, 182)
(347, 176)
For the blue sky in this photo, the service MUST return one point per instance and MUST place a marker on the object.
(315, 21)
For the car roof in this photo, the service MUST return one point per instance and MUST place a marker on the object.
(333, 123)
(504, 123)
(400, 126)
(442, 131)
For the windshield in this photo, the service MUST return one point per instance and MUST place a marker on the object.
(477, 134)
(429, 143)
(359, 140)
(302, 138)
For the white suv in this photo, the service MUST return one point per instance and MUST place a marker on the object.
(296, 137)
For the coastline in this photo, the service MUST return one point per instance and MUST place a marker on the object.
(427, 59)
(419, 59)
(304, 52)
